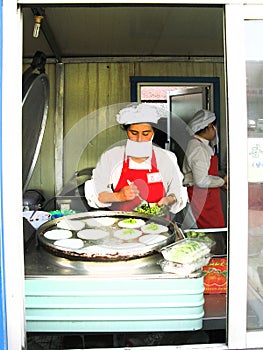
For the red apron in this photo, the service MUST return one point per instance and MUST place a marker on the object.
(150, 190)
(206, 202)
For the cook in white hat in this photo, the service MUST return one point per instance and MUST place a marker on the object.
(138, 168)
(201, 120)
(200, 168)
(139, 120)
(139, 113)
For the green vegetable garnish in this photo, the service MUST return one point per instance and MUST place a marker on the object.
(200, 235)
(152, 227)
(153, 209)
(130, 221)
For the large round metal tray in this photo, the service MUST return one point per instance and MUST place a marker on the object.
(172, 235)
(35, 112)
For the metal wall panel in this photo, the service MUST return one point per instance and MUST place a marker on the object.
(89, 90)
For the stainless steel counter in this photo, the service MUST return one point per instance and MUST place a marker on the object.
(42, 265)
(39, 263)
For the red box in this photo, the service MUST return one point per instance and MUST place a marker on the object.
(215, 276)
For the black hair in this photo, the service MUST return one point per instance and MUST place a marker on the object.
(126, 126)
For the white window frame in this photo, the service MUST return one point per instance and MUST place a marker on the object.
(254, 339)
(238, 336)
(236, 13)
(12, 174)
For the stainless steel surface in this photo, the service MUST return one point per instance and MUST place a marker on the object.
(39, 263)
(59, 128)
(35, 111)
(110, 254)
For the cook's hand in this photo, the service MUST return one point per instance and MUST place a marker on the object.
(169, 200)
(127, 193)
(224, 187)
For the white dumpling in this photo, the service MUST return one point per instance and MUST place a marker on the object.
(152, 239)
(154, 228)
(131, 223)
(57, 234)
(67, 224)
(127, 234)
(92, 234)
(98, 222)
(72, 243)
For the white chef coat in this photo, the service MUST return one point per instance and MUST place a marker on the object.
(108, 170)
(197, 163)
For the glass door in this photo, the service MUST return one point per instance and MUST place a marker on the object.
(183, 103)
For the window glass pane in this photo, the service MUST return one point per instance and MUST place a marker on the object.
(254, 72)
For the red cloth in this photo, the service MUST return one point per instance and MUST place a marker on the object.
(206, 202)
(150, 191)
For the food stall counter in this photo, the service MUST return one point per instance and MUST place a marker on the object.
(64, 295)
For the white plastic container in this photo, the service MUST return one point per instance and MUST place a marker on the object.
(186, 251)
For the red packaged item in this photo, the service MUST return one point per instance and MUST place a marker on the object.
(215, 276)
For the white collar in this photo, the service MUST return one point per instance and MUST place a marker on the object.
(147, 164)
(205, 141)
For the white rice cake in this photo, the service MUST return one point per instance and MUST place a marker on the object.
(127, 234)
(57, 234)
(154, 228)
(67, 224)
(71, 243)
(99, 222)
(131, 223)
(92, 234)
(152, 239)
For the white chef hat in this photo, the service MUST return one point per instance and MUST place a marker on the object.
(201, 119)
(139, 113)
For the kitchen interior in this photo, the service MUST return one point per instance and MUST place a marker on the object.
(81, 64)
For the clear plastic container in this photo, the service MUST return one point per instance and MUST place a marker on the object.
(186, 251)
(184, 270)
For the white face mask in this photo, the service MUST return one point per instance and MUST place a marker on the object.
(138, 149)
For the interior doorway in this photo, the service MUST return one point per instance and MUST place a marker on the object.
(181, 98)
